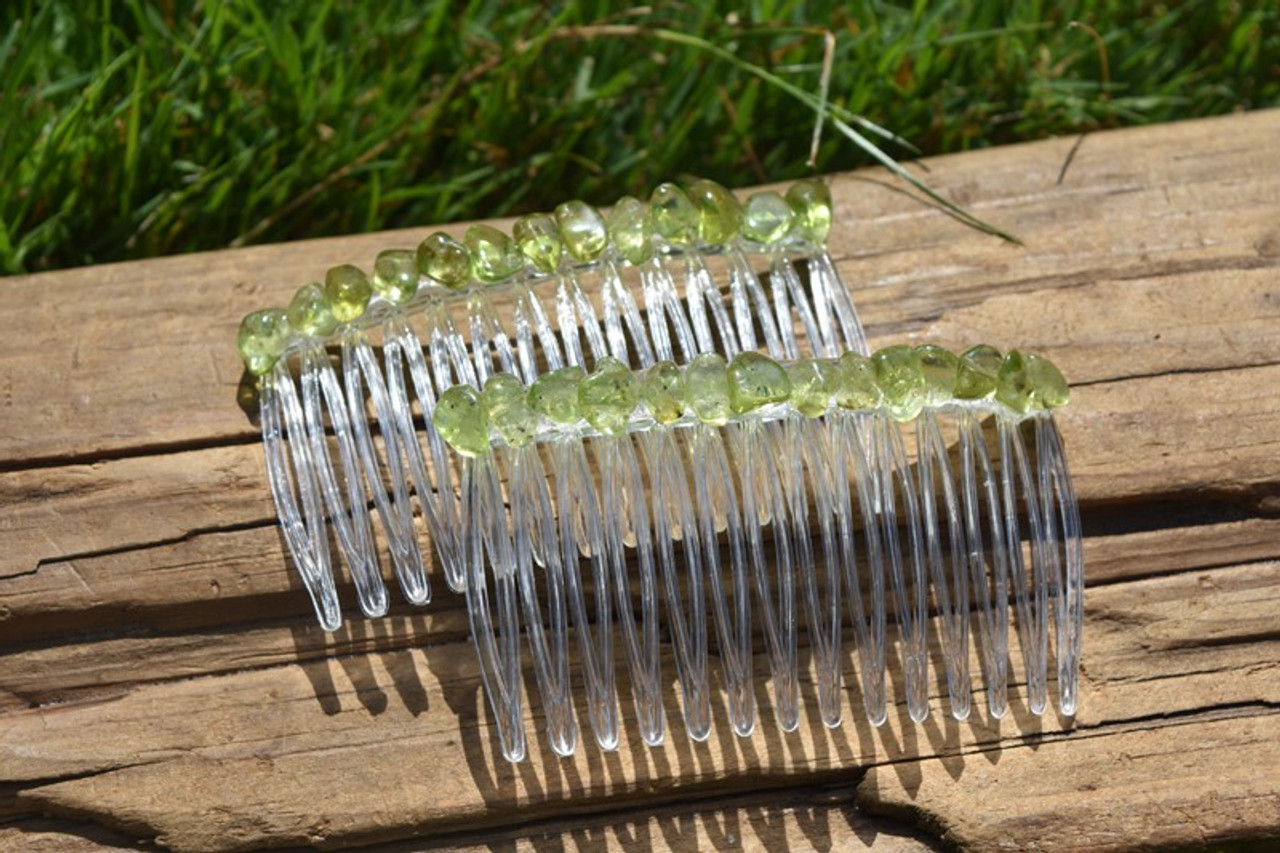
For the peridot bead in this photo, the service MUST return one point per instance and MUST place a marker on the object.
(674, 216)
(460, 419)
(309, 312)
(813, 381)
(706, 382)
(494, 256)
(262, 337)
(756, 380)
(608, 396)
(662, 391)
(900, 378)
(1049, 389)
(348, 291)
(395, 276)
(1013, 385)
(506, 407)
(810, 199)
(444, 260)
(766, 218)
(940, 367)
(978, 369)
(631, 229)
(555, 394)
(856, 383)
(539, 239)
(719, 212)
(583, 230)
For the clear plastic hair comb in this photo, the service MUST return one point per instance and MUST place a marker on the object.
(613, 428)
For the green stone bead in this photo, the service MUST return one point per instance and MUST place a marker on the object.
(940, 368)
(539, 240)
(1049, 389)
(813, 381)
(674, 216)
(506, 407)
(460, 419)
(555, 394)
(856, 383)
(1013, 385)
(494, 256)
(662, 390)
(706, 382)
(309, 312)
(348, 291)
(262, 337)
(766, 218)
(631, 229)
(978, 369)
(608, 396)
(719, 212)
(810, 199)
(583, 230)
(395, 276)
(900, 378)
(756, 380)
(445, 261)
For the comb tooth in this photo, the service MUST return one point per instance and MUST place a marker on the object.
(549, 642)
(674, 521)
(349, 514)
(716, 501)
(830, 289)
(305, 532)
(360, 370)
(951, 592)
(489, 558)
(1030, 593)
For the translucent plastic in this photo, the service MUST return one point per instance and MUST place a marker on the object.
(741, 537)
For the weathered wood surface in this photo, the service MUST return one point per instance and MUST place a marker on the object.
(162, 679)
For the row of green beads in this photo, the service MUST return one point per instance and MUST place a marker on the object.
(704, 212)
(901, 379)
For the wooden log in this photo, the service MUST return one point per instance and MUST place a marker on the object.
(163, 680)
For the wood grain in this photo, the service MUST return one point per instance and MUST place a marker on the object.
(162, 680)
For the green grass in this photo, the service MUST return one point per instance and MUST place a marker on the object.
(130, 129)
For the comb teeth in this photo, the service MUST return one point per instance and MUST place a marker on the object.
(584, 540)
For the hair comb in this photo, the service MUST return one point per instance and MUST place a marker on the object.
(625, 422)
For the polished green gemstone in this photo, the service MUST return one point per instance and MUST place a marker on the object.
(674, 216)
(555, 394)
(1049, 389)
(766, 218)
(506, 407)
(978, 369)
(940, 368)
(539, 240)
(900, 378)
(395, 275)
(810, 199)
(460, 419)
(583, 230)
(813, 381)
(756, 380)
(348, 291)
(856, 383)
(445, 260)
(662, 391)
(631, 229)
(719, 212)
(608, 396)
(1013, 385)
(262, 337)
(310, 313)
(494, 255)
(706, 382)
